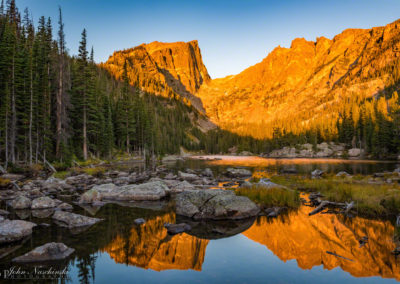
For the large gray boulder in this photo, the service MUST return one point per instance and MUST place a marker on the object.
(14, 230)
(187, 176)
(154, 190)
(47, 252)
(214, 204)
(231, 172)
(354, 152)
(182, 186)
(44, 202)
(21, 202)
(72, 220)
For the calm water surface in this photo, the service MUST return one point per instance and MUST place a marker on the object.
(289, 249)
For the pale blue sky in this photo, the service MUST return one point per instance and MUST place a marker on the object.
(232, 34)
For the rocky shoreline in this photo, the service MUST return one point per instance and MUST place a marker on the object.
(197, 194)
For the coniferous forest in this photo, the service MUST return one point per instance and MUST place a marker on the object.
(55, 106)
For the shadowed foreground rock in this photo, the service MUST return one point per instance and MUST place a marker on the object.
(174, 229)
(14, 230)
(72, 220)
(47, 252)
(214, 204)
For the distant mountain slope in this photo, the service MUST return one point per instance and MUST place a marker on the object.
(306, 85)
(166, 69)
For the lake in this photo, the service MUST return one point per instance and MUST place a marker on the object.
(293, 248)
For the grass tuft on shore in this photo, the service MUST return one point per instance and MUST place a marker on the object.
(370, 199)
(270, 197)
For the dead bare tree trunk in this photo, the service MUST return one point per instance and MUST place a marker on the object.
(84, 133)
(13, 115)
(30, 118)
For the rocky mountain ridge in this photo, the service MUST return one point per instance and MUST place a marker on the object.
(296, 89)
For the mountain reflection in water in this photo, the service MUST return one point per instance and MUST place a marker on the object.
(296, 235)
(150, 246)
(307, 239)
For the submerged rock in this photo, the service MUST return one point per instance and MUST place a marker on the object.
(47, 252)
(72, 220)
(139, 221)
(15, 230)
(214, 204)
(174, 229)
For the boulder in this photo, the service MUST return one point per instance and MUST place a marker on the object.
(317, 173)
(208, 173)
(43, 203)
(231, 172)
(322, 146)
(307, 146)
(14, 230)
(155, 190)
(214, 204)
(170, 176)
(65, 206)
(187, 176)
(13, 177)
(72, 220)
(182, 186)
(90, 196)
(342, 174)
(139, 221)
(97, 193)
(174, 229)
(265, 182)
(354, 152)
(47, 252)
(42, 213)
(246, 184)
(21, 202)
(245, 153)
(325, 152)
(171, 182)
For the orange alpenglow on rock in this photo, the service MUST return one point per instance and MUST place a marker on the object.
(300, 88)
(165, 69)
(304, 86)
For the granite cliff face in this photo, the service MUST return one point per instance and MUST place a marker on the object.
(165, 69)
(302, 86)
(298, 88)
